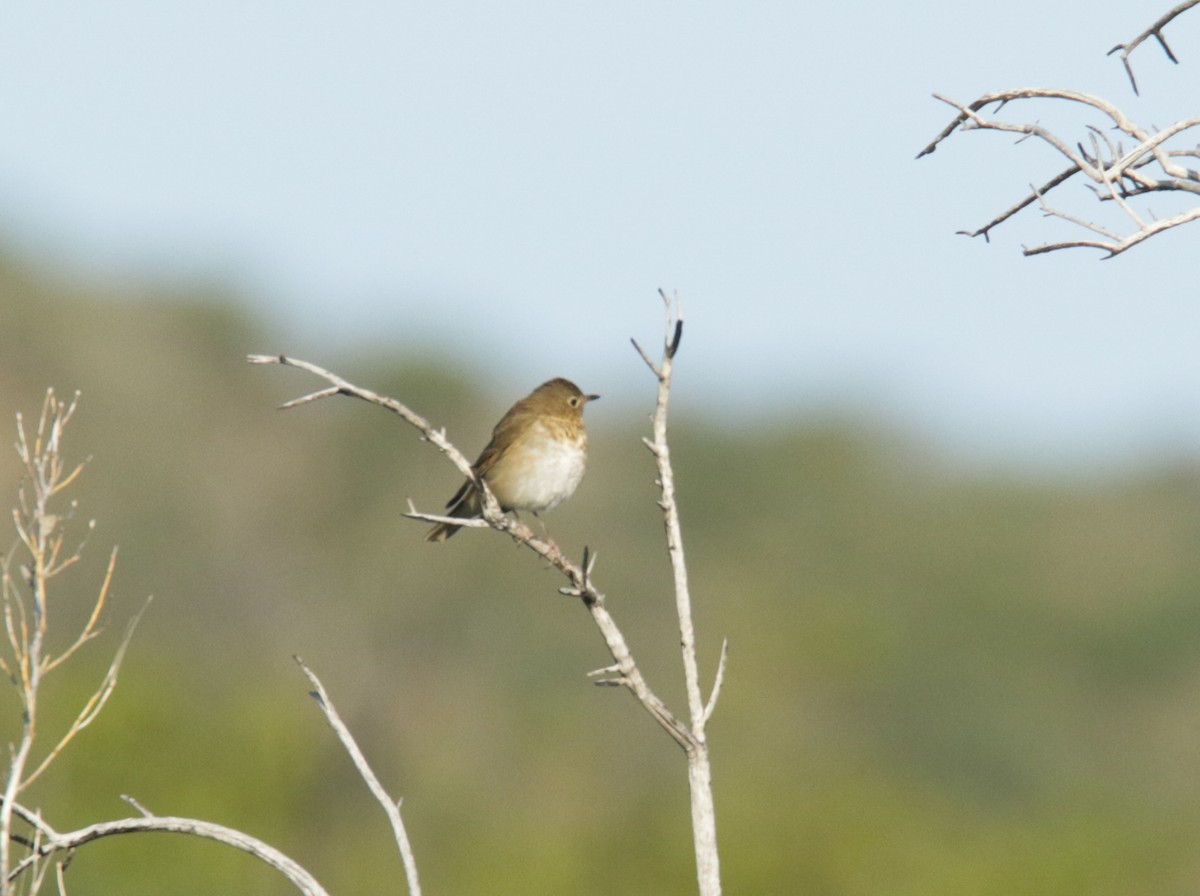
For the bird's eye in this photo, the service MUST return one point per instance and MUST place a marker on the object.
(574, 402)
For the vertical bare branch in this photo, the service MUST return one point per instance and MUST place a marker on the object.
(660, 448)
(704, 830)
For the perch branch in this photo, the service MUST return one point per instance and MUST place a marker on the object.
(579, 584)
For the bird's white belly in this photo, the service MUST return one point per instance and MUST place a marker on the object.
(548, 472)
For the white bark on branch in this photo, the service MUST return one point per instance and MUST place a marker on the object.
(1154, 31)
(51, 842)
(390, 807)
(1117, 175)
(704, 822)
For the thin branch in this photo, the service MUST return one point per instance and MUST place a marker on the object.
(1119, 175)
(137, 805)
(95, 703)
(342, 387)
(90, 629)
(717, 681)
(704, 830)
(464, 522)
(1119, 246)
(660, 448)
(645, 357)
(390, 807)
(1154, 30)
(53, 842)
(1033, 197)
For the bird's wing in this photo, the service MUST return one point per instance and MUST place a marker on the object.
(500, 442)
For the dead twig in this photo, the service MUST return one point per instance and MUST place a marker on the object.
(1154, 31)
(390, 807)
(1117, 176)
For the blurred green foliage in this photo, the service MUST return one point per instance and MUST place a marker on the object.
(941, 681)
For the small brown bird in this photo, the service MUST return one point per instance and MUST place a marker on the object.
(535, 458)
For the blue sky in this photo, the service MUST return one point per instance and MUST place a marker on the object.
(508, 184)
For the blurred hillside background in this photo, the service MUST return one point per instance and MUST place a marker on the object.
(942, 679)
(942, 499)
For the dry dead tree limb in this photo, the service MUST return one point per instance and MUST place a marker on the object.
(51, 842)
(1117, 175)
(1155, 31)
(390, 807)
(704, 822)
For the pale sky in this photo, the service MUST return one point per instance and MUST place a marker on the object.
(510, 184)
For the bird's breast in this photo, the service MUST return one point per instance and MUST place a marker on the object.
(539, 470)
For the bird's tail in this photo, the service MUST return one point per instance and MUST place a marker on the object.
(464, 504)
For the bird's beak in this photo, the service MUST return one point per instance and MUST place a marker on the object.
(590, 397)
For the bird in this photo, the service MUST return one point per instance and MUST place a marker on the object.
(534, 460)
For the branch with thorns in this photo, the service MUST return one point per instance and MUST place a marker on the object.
(1154, 31)
(624, 671)
(1118, 175)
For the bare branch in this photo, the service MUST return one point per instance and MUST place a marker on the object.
(137, 805)
(1034, 195)
(390, 807)
(718, 681)
(95, 703)
(645, 357)
(90, 629)
(342, 387)
(1117, 175)
(661, 450)
(1118, 246)
(463, 522)
(704, 830)
(53, 842)
(1154, 30)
